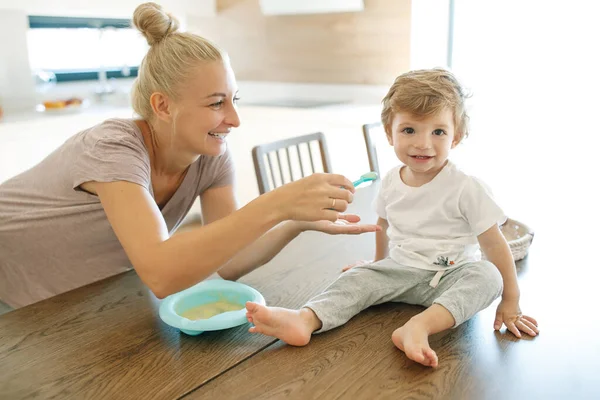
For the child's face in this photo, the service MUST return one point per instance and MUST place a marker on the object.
(423, 143)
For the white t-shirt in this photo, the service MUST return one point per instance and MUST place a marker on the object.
(435, 226)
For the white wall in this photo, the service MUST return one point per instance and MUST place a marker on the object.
(295, 7)
(16, 82)
(429, 33)
(108, 8)
(532, 69)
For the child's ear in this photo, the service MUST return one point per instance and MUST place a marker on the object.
(456, 140)
(388, 135)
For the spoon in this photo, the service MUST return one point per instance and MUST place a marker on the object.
(369, 176)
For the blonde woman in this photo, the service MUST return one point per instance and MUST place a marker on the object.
(111, 196)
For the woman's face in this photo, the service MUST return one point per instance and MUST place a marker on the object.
(206, 110)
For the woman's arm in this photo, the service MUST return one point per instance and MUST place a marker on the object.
(170, 264)
(218, 203)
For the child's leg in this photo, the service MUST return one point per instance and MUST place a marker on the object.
(351, 293)
(460, 294)
(468, 290)
(413, 337)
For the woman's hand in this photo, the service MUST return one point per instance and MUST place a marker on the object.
(314, 198)
(347, 224)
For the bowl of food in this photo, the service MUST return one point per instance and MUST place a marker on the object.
(62, 106)
(209, 306)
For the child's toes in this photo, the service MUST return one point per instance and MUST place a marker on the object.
(417, 356)
(251, 307)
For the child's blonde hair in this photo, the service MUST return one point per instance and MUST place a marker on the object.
(426, 92)
(171, 57)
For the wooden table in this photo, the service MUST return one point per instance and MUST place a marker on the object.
(106, 340)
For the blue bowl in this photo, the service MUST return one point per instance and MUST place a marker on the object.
(204, 293)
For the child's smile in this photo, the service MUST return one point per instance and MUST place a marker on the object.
(422, 143)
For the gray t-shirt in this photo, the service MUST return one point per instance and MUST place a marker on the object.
(55, 237)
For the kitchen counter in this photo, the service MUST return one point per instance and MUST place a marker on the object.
(29, 137)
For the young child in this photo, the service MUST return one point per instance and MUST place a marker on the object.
(434, 220)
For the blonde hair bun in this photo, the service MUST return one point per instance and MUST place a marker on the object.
(171, 60)
(154, 23)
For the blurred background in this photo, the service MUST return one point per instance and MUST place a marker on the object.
(324, 66)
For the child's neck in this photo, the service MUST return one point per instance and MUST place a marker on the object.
(416, 178)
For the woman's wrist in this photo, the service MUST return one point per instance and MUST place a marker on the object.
(266, 206)
(301, 226)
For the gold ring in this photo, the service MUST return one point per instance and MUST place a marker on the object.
(332, 203)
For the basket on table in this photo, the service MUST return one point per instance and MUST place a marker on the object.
(519, 237)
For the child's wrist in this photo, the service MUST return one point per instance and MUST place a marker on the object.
(511, 295)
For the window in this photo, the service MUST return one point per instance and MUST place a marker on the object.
(84, 48)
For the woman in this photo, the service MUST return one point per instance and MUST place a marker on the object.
(112, 195)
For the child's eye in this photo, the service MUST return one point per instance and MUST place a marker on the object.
(410, 131)
(439, 132)
(235, 100)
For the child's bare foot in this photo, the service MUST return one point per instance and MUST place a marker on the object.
(292, 326)
(413, 339)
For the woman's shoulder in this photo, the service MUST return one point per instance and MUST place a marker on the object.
(114, 130)
(112, 137)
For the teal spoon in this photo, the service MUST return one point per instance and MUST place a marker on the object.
(369, 176)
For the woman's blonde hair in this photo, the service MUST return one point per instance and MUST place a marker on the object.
(427, 92)
(170, 59)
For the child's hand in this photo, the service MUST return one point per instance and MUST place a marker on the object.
(356, 264)
(509, 314)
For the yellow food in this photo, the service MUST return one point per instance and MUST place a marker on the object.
(55, 104)
(205, 311)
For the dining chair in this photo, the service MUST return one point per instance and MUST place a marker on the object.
(284, 161)
(368, 132)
